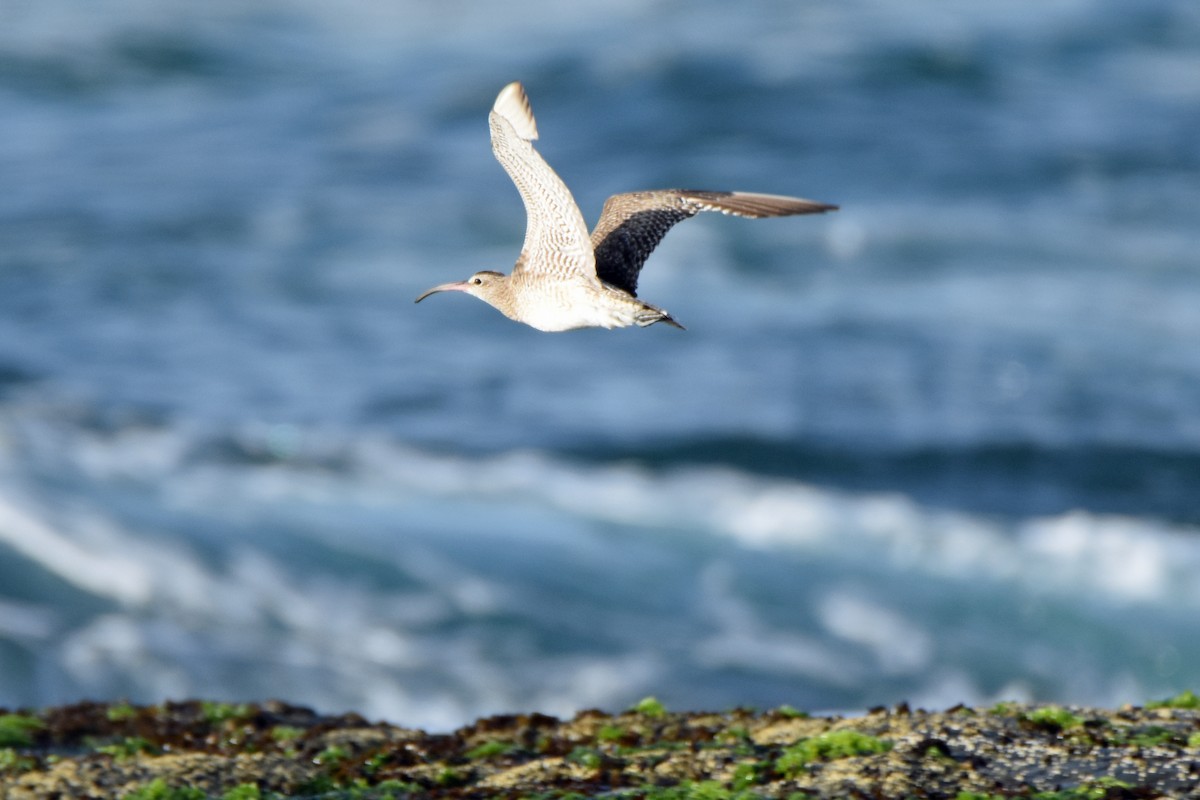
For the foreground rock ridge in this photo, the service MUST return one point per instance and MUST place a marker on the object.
(197, 750)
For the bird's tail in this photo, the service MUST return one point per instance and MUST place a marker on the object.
(648, 315)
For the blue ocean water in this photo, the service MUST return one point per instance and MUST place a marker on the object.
(941, 446)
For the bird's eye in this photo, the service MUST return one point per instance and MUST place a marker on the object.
(477, 281)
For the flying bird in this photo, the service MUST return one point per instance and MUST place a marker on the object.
(565, 278)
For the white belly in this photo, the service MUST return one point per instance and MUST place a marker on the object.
(567, 307)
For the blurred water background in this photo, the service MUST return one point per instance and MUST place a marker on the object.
(941, 446)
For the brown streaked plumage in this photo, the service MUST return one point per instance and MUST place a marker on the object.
(566, 279)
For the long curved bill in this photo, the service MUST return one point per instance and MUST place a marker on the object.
(456, 286)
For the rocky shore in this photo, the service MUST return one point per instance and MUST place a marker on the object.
(194, 750)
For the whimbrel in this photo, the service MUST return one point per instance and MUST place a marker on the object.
(566, 279)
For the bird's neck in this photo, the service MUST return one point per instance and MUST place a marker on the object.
(503, 298)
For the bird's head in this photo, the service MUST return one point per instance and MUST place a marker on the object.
(489, 286)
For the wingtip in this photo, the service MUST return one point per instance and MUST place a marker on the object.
(755, 204)
(513, 104)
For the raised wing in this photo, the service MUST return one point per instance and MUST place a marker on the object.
(631, 225)
(556, 238)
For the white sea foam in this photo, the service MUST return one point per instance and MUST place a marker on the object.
(1122, 558)
(898, 644)
(90, 560)
(740, 639)
(178, 624)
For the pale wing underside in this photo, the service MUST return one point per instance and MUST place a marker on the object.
(631, 225)
(556, 237)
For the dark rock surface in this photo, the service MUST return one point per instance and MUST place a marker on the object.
(189, 750)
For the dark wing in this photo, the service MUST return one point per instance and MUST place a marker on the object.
(631, 225)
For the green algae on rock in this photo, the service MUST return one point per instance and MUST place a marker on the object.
(271, 751)
(16, 730)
